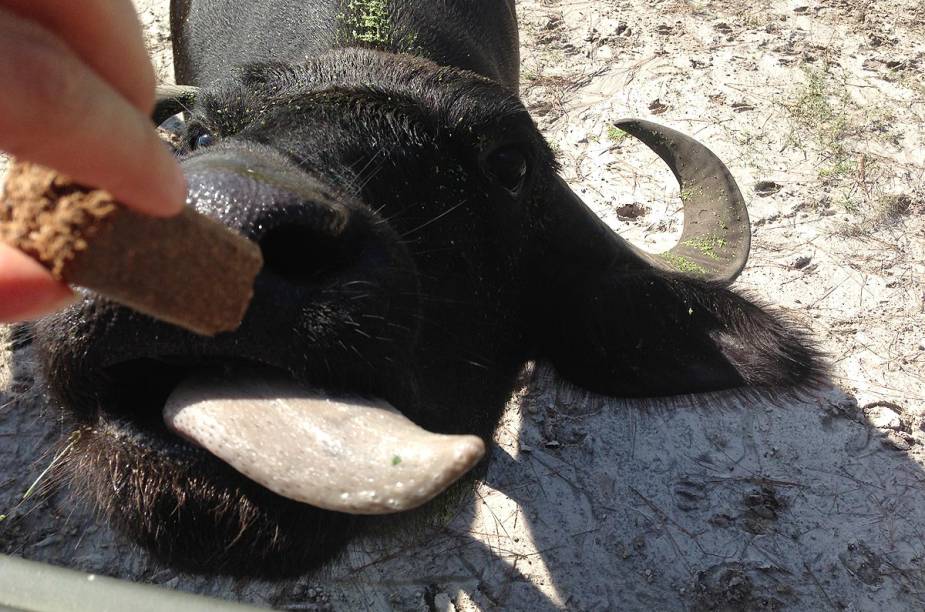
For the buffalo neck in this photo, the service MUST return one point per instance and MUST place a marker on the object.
(210, 36)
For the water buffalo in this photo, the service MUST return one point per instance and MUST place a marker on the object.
(419, 248)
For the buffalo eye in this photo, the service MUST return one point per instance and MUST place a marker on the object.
(205, 140)
(201, 140)
(508, 166)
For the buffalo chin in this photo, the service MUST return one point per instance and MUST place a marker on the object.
(192, 511)
(189, 509)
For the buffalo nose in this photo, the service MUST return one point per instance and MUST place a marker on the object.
(304, 231)
(303, 253)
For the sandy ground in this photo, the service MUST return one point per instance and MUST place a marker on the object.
(720, 502)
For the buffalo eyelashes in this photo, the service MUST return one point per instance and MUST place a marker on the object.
(508, 166)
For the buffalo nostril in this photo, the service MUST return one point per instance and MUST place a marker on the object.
(303, 254)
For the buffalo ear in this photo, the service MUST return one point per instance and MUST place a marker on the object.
(621, 321)
(647, 334)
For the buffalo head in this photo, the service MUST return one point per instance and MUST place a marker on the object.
(419, 247)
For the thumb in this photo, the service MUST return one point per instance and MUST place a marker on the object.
(27, 290)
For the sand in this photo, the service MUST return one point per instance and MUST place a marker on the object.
(727, 501)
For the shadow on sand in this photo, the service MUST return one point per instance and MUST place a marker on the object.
(734, 501)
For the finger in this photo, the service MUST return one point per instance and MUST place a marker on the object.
(27, 290)
(105, 34)
(57, 112)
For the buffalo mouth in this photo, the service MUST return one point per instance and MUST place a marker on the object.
(334, 451)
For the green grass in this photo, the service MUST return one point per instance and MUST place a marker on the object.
(822, 112)
(687, 194)
(842, 168)
(887, 211)
(367, 21)
(827, 121)
(683, 264)
(615, 134)
(707, 245)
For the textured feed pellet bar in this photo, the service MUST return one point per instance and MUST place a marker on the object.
(188, 270)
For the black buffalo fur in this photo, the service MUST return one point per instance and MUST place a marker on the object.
(447, 280)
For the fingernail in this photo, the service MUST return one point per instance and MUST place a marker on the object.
(174, 186)
(178, 186)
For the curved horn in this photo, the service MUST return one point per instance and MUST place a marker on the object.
(716, 239)
(172, 99)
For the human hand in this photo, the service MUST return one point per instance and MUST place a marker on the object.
(78, 90)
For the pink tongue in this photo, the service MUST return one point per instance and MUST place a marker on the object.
(347, 455)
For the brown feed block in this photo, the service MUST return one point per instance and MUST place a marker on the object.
(188, 270)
